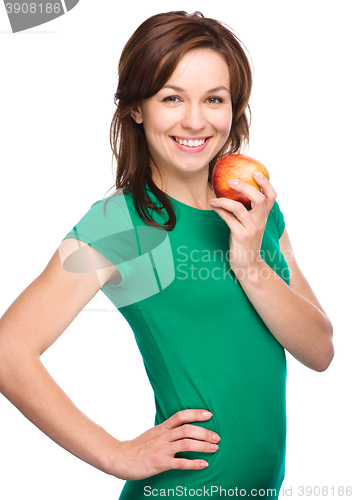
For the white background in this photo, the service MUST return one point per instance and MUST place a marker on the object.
(56, 99)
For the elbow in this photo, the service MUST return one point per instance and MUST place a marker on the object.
(327, 354)
(4, 372)
(325, 362)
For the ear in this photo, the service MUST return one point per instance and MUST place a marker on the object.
(137, 114)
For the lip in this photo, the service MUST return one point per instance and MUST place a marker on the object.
(188, 149)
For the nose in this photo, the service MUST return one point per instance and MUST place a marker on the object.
(193, 118)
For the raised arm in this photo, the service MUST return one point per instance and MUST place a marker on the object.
(292, 313)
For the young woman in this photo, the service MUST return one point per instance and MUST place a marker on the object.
(211, 290)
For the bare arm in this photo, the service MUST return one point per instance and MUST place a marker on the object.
(30, 326)
(292, 313)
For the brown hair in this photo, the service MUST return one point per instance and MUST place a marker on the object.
(147, 61)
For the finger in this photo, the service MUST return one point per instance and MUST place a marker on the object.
(261, 202)
(186, 416)
(195, 432)
(267, 188)
(184, 463)
(193, 445)
(229, 209)
(252, 193)
(235, 225)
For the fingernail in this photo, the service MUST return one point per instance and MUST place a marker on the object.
(216, 437)
(258, 174)
(207, 414)
(204, 464)
(233, 182)
(214, 446)
(213, 200)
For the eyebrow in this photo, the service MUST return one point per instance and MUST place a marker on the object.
(179, 89)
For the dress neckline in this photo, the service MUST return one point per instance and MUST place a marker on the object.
(196, 211)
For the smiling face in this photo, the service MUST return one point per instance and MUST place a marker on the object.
(188, 121)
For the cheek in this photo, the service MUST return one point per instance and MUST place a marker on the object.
(158, 124)
(225, 122)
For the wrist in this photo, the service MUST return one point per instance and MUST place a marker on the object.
(111, 457)
(242, 261)
(254, 271)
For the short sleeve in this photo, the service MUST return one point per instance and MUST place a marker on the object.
(107, 227)
(278, 219)
(142, 254)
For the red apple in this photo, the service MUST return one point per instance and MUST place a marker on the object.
(236, 167)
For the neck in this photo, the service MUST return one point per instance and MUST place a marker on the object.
(191, 190)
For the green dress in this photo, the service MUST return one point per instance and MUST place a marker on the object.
(202, 342)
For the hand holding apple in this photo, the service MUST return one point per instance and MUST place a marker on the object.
(234, 203)
(236, 166)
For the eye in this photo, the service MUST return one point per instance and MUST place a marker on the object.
(171, 99)
(215, 100)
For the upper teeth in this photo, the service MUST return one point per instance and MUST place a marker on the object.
(190, 142)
